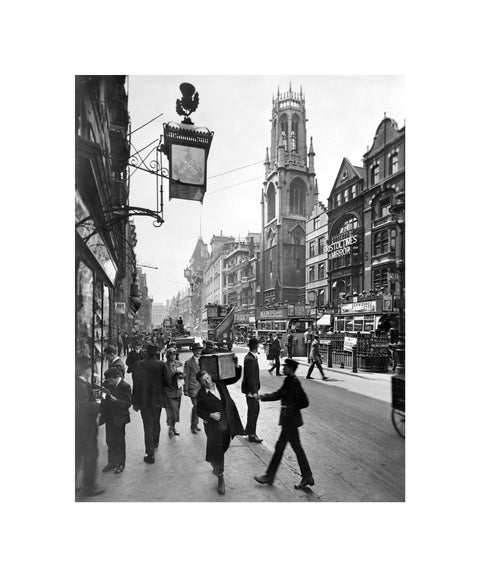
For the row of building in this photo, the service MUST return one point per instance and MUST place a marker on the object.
(340, 265)
(111, 290)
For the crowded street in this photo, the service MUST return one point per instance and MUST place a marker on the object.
(354, 451)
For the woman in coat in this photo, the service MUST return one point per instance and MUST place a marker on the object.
(222, 421)
(172, 389)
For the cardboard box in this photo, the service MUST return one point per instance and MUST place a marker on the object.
(218, 365)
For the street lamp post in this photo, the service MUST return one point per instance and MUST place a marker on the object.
(398, 212)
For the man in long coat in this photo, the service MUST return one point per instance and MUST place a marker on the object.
(191, 385)
(148, 397)
(274, 351)
(222, 421)
(293, 399)
(86, 427)
(250, 388)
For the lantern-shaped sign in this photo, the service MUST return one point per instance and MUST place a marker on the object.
(187, 147)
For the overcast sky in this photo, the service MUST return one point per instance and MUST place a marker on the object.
(343, 114)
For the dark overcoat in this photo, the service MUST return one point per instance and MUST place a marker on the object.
(293, 398)
(219, 432)
(116, 412)
(251, 374)
(171, 388)
(275, 348)
(150, 377)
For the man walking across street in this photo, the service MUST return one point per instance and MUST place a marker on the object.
(148, 397)
(275, 350)
(191, 385)
(293, 399)
(289, 344)
(113, 359)
(250, 387)
(316, 359)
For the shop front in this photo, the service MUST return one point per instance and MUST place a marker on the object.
(95, 276)
(366, 316)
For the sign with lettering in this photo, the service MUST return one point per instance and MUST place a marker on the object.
(341, 247)
(272, 313)
(363, 306)
(348, 343)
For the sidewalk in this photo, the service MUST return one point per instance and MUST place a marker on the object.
(181, 474)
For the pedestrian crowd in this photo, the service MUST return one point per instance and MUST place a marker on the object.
(159, 382)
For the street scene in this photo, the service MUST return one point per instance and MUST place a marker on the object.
(240, 289)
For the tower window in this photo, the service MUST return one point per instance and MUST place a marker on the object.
(297, 197)
(270, 202)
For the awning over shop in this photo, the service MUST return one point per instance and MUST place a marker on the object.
(325, 320)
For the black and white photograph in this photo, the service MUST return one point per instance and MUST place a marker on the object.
(240, 239)
(206, 330)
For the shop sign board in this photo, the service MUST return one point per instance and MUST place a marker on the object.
(251, 320)
(348, 343)
(341, 247)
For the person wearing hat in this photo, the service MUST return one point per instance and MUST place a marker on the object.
(86, 427)
(173, 390)
(250, 388)
(115, 415)
(191, 386)
(222, 421)
(316, 358)
(274, 351)
(113, 359)
(292, 398)
(148, 397)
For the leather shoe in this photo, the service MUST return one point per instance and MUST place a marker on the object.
(149, 459)
(175, 432)
(305, 482)
(254, 439)
(197, 429)
(171, 433)
(108, 468)
(194, 431)
(264, 480)
(309, 377)
(221, 485)
(119, 469)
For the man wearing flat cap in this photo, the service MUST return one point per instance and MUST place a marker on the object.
(148, 397)
(250, 388)
(293, 399)
(191, 386)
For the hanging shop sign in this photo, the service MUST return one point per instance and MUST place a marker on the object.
(341, 247)
(120, 308)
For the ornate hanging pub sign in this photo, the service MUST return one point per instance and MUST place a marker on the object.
(186, 147)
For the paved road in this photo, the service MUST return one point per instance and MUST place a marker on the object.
(354, 452)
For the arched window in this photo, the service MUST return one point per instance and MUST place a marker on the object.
(350, 224)
(294, 133)
(297, 196)
(284, 130)
(270, 202)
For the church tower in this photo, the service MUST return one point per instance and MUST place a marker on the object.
(288, 195)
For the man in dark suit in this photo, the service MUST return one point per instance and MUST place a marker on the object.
(250, 388)
(191, 385)
(113, 359)
(148, 397)
(293, 399)
(115, 415)
(274, 351)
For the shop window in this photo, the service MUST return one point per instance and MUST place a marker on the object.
(358, 324)
(84, 307)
